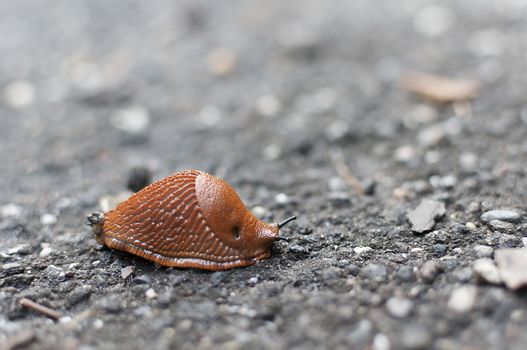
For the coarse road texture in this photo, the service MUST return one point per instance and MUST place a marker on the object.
(289, 101)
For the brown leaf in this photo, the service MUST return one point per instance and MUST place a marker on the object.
(440, 89)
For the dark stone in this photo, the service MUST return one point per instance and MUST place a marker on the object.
(138, 178)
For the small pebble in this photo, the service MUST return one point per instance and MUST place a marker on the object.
(127, 271)
(501, 214)
(448, 181)
(423, 217)
(210, 115)
(405, 153)
(48, 219)
(375, 272)
(517, 315)
(462, 299)
(415, 337)
(337, 129)
(483, 251)
(471, 226)
(433, 20)
(268, 105)
(421, 114)
(112, 303)
(463, 275)
(53, 271)
(429, 271)
(512, 266)
(142, 279)
(381, 342)
(253, 280)
(45, 250)
(486, 271)
(298, 250)
(468, 161)
(282, 199)
(150, 293)
(399, 307)
(405, 273)
(98, 324)
(19, 94)
(501, 225)
(10, 210)
(304, 230)
(272, 151)
(362, 250)
(138, 178)
(11, 266)
(431, 135)
(132, 120)
(459, 229)
(20, 249)
(260, 212)
(221, 61)
(439, 250)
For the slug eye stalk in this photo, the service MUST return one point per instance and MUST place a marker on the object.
(286, 221)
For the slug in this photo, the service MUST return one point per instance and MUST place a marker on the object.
(189, 220)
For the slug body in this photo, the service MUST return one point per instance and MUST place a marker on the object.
(191, 220)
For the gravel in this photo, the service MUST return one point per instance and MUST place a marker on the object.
(97, 101)
(501, 214)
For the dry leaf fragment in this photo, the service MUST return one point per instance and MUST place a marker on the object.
(440, 89)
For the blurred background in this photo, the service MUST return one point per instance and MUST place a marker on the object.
(306, 107)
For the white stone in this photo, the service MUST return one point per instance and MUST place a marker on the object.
(45, 250)
(260, 212)
(132, 120)
(48, 219)
(362, 250)
(337, 129)
(405, 153)
(381, 342)
(512, 266)
(19, 94)
(210, 115)
(433, 20)
(483, 251)
(10, 210)
(468, 161)
(486, 270)
(471, 226)
(282, 199)
(272, 151)
(462, 299)
(268, 105)
(399, 307)
(150, 293)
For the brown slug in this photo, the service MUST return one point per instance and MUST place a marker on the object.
(191, 220)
